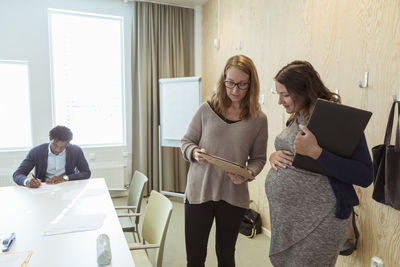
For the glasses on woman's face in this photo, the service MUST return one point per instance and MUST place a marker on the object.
(240, 85)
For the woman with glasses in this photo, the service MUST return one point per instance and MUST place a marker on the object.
(230, 125)
(310, 213)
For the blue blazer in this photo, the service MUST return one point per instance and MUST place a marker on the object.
(347, 172)
(76, 165)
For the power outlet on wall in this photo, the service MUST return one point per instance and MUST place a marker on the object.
(376, 262)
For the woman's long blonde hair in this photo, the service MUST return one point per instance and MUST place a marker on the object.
(302, 81)
(220, 101)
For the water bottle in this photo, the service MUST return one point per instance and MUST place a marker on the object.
(103, 250)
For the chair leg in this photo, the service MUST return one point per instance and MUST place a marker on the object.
(134, 237)
(137, 232)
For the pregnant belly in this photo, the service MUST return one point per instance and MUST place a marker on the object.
(297, 188)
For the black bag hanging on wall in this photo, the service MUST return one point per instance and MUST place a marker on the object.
(251, 224)
(386, 161)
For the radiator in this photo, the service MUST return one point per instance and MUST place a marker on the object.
(6, 177)
(114, 175)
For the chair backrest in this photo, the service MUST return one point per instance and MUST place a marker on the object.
(136, 189)
(155, 224)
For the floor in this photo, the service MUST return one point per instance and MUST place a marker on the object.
(249, 252)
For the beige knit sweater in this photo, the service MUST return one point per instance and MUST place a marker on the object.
(241, 142)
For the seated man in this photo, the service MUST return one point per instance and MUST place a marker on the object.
(54, 162)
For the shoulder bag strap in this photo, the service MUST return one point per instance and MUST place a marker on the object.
(397, 145)
(389, 127)
(356, 233)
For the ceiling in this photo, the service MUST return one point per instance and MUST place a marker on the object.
(183, 3)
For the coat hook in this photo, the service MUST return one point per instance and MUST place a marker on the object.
(272, 90)
(365, 81)
(336, 96)
(394, 98)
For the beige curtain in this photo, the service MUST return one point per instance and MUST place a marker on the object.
(162, 47)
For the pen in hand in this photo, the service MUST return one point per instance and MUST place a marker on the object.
(34, 182)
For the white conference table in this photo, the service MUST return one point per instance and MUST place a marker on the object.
(27, 211)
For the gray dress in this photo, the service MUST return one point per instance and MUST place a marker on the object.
(304, 228)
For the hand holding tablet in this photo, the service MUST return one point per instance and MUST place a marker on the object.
(227, 165)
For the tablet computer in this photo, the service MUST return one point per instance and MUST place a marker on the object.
(227, 165)
(338, 129)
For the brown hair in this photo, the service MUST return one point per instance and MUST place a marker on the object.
(220, 101)
(302, 80)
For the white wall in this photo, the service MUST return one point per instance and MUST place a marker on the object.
(24, 36)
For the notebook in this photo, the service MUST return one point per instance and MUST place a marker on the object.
(338, 129)
(227, 165)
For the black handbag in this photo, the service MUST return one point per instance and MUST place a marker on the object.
(251, 224)
(386, 162)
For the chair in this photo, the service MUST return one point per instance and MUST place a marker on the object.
(154, 230)
(135, 195)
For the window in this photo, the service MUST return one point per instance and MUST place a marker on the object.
(15, 111)
(88, 76)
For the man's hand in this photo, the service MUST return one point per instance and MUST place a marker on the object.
(33, 183)
(306, 143)
(55, 180)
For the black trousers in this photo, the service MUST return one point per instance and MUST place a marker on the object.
(198, 221)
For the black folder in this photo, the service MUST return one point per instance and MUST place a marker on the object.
(338, 129)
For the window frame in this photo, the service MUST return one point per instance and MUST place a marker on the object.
(51, 11)
(22, 148)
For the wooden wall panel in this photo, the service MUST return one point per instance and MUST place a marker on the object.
(342, 39)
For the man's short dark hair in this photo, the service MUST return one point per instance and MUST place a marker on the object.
(60, 133)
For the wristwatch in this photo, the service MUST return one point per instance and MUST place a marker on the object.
(65, 177)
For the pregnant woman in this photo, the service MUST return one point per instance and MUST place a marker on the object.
(310, 212)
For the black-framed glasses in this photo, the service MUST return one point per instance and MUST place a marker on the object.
(240, 85)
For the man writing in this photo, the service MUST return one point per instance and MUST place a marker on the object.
(54, 162)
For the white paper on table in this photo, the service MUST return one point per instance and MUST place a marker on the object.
(74, 223)
(13, 259)
(85, 192)
(73, 194)
(44, 188)
(94, 192)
